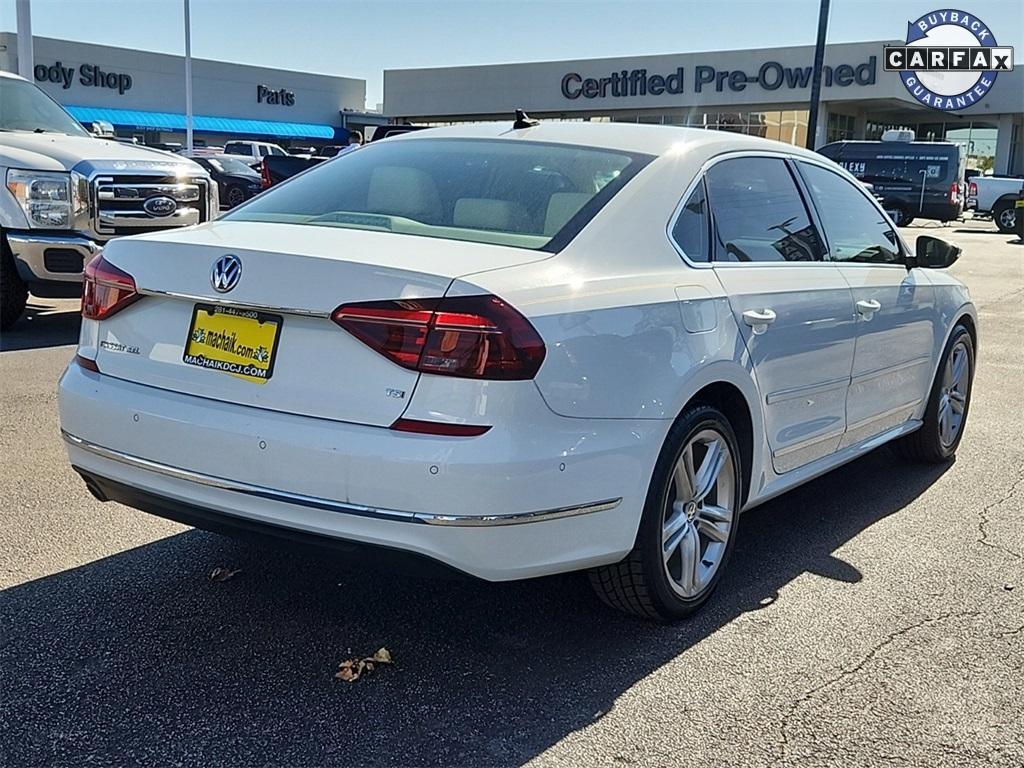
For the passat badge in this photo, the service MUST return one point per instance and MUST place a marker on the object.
(227, 270)
(160, 205)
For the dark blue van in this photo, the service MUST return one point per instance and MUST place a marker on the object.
(913, 179)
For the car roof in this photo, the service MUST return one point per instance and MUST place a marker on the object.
(629, 137)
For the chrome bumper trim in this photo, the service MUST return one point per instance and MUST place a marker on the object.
(240, 304)
(378, 513)
(29, 248)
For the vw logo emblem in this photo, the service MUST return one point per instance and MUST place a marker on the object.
(161, 205)
(226, 272)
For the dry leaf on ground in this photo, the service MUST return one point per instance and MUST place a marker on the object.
(222, 574)
(351, 670)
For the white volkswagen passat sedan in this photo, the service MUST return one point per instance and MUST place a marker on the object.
(520, 352)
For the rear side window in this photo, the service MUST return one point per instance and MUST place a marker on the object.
(692, 226)
(759, 214)
(232, 148)
(855, 228)
(517, 193)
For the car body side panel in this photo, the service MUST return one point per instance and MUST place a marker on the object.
(895, 350)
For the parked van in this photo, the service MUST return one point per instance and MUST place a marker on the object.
(913, 179)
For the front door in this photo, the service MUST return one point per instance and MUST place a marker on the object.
(892, 364)
(794, 309)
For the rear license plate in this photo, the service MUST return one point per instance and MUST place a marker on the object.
(241, 342)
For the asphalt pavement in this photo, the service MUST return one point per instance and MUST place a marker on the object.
(872, 617)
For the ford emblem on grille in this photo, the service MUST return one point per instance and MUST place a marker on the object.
(226, 272)
(161, 205)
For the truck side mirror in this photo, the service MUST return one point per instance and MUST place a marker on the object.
(933, 253)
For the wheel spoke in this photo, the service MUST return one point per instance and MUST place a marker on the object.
(683, 477)
(714, 531)
(689, 558)
(945, 420)
(959, 366)
(957, 401)
(716, 513)
(707, 475)
(675, 522)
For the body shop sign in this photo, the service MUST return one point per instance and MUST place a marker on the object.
(89, 75)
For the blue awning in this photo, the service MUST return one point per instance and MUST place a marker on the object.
(172, 121)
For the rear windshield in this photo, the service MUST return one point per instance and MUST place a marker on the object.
(521, 194)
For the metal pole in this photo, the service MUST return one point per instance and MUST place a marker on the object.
(25, 58)
(188, 78)
(819, 61)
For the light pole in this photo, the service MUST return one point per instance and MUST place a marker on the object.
(819, 61)
(188, 78)
(25, 59)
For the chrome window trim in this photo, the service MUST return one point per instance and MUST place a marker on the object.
(699, 177)
(822, 162)
(329, 505)
(833, 167)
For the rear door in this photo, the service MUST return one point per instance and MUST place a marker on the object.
(895, 308)
(794, 309)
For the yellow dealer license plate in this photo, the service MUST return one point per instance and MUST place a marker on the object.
(241, 342)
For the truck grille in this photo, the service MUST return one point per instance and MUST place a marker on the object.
(130, 205)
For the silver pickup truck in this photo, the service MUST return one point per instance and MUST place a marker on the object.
(995, 196)
(67, 192)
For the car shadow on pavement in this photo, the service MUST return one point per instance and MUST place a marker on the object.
(141, 658)
(40, 327)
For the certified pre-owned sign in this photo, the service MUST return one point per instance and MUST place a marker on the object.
(950, 60)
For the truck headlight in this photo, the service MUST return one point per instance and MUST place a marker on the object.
(49, 199)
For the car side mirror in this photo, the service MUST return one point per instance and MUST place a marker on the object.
(933, 253)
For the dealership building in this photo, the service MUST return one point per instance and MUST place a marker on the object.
(142, 94)
(759, 92)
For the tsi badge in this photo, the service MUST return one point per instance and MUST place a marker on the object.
(227, 270)
(950, 61)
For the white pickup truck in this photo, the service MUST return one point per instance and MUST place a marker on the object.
(995, 196)
(252, 152)
(67, 192)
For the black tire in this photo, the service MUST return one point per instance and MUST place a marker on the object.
(901, 217)
(639, 584)
(13, 291)
(1005, 216)
(234, 195)
(926, 444)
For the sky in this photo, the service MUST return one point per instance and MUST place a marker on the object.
(362, 39)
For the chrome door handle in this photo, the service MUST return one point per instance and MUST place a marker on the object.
(759, 319)
(867, 307)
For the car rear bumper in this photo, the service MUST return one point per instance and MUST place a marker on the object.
(496, 506)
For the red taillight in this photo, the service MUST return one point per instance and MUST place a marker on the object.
(85, 362)
(476, 337)
(265, 181)
(972, 190)
(106, 290)
(439, 428)
(954, 193)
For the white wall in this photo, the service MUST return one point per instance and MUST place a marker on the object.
(158, 83)
(537, 86)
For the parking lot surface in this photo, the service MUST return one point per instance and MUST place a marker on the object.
(872, 617)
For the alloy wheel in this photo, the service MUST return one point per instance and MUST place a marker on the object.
(699, 513)
(1007, 219)
(956, 380)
